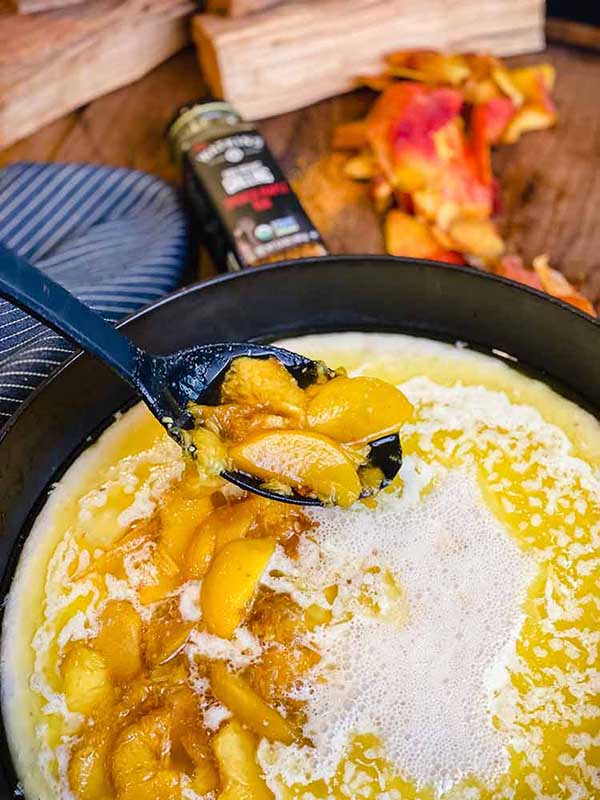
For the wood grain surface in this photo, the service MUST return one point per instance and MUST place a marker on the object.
(299, 53)
(33, 6)
(550, 180)
(55, 61)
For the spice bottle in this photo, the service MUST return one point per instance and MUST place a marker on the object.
(247, 211)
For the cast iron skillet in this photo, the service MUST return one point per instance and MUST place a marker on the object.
(557, 343)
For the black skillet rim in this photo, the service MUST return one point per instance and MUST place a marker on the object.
(317, 260)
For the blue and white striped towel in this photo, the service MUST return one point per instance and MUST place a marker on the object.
(114, 237)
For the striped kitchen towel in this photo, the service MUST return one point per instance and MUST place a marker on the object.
(116, 238)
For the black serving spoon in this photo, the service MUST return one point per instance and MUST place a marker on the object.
(166, 383)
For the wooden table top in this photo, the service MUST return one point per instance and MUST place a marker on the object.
(550, 180)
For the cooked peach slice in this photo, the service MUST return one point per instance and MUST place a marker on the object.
(221, 526)
(277, 618)
(357, 410)
(211, 455)
(195, 743)
(231, 582)
(164, 785)
(205, 779)
(281, 668)
(301, 459)
(184, 704)
(88, 777)
(140, 760)
(120, 640)
(248, 706)
(236, 422)
(241, 776)
(179, 518)
(236, 521)
(164, 639)
(200, 552)
(164, 576)
(263, 382)
(86, 680)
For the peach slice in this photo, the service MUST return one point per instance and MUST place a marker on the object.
(478, 237)
(429, 66)
(248, 706)
(361, 167)
(406, 235)
(165, 576)
(417, 135)
(211, 455)
(262, 382)
(226, 524)
(235, 751)
(205, 777)
(164, 639)
(179, 519)
(88, 777)
(119, 640)
(355, 410)
(538, 110)
(200, 552)
(281, 669)
(555, 283)
(301, 459)
(86, 680)
(234, 422)
(231, 582)
(140, 760)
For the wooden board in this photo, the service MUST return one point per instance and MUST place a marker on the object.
(33, 6)
(550, 179)
(239, 8)
(57, 61)
(303, 51)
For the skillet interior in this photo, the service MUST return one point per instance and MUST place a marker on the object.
(334, 294)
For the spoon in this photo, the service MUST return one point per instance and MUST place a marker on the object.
(166, 383)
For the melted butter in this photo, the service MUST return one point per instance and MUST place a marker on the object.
(25, 711)
(549, 714)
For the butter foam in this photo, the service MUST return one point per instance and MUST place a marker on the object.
(422, 687)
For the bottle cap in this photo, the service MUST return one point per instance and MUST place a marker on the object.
(194, 119)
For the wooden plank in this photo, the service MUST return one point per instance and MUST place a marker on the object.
(87, 57)
(34, 6)
(44, 146)
(126, 127)
(301, 52)
(239, 8)
(550, 179)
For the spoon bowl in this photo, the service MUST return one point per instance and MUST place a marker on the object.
(168, 383)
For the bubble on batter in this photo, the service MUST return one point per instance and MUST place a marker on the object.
(426, 687)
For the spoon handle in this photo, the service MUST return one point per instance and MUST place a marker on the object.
(31, 290)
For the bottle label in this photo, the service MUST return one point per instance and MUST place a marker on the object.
(258, 210)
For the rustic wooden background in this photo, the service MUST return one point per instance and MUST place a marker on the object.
(550, 180)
